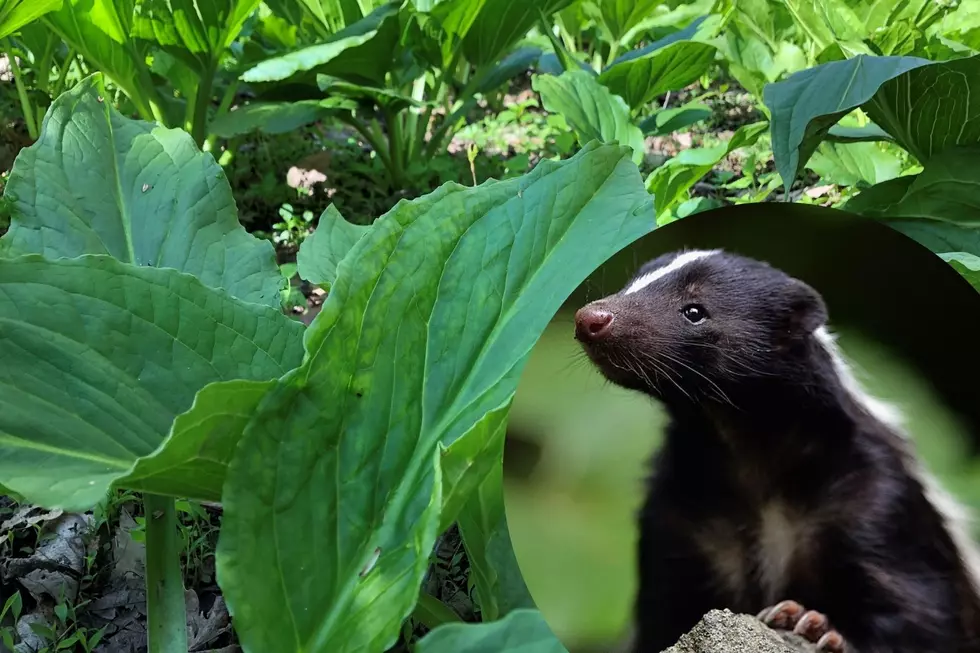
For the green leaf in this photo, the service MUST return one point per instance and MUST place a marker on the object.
(468, 461)
(670, 182)
(497, 578)
(184, 79)
(878, 199)
(521, 631)
(514, 64)
(331, 16)
(868, 133)
(321, 252)
(945, 190)
(938, 208)
(966, 264)
(454, 19)
(669, 64)
(193, 460)
(827, 25)
(939, 236)
(668, 121)
(96, 182)
(499, 25)
(275, 117)
(101, 356)
(433, 613)
(963, 26)
(618, 20)
(931, 108)
(387, 98)
(357, 36)
(590, 109)
(198, 33)
(15, 14)
(761, 43)
(924, 106)
(424, 333)
(848, 22)
(854, 164)
(101, 32)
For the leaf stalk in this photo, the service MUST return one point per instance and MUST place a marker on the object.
(165, 608)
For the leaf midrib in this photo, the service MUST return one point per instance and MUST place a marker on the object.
(127, 222)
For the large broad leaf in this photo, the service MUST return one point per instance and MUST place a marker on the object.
(494, 571)
(275, 117)
(422, 339)
(618, 20)
(931, 108)
(963, 26)
(670, 182)
(669, 64)
(101, 32)
(196, 32)
(467, 462)
(938, 207)
(761, 43)
(193, 460)
(500, 24)
(329, 243)
(966, 264)
(515, 63)
(454, 19)
(848, 22)
(15, 14)
(939, 236)
(945, 190)
(331, 16)
(667, 121)
(99, 357)
(924, 106)
(521, 631)
(99, 183)
(854, 164)
(386, 98)
(363, 49)
(810, 19)
(591, 110)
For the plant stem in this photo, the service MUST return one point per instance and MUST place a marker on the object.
(396, 147)
(165, 610)
(25, 102)
(199, 127)
(375, 140)
(413, 121)
(226, 100)
(448, 126)
(439, 92)
(613, 51)
(59, 85)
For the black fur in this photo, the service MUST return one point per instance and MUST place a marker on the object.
(759, 418)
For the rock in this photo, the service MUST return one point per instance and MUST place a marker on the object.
(722, 631)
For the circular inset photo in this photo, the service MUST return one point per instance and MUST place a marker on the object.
(769, 409)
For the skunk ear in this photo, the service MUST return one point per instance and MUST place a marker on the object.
(807, 309)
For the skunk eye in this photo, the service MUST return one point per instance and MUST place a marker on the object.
(694, 313)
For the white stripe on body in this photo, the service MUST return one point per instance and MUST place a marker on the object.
(954, 515)
(684, 259)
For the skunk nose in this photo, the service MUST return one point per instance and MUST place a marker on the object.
(592, 323)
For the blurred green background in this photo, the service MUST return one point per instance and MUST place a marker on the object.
(578, 447)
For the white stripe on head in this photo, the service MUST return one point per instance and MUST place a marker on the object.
(954, 515)
(683, 259)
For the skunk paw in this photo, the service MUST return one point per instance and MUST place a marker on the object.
(809, 624)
